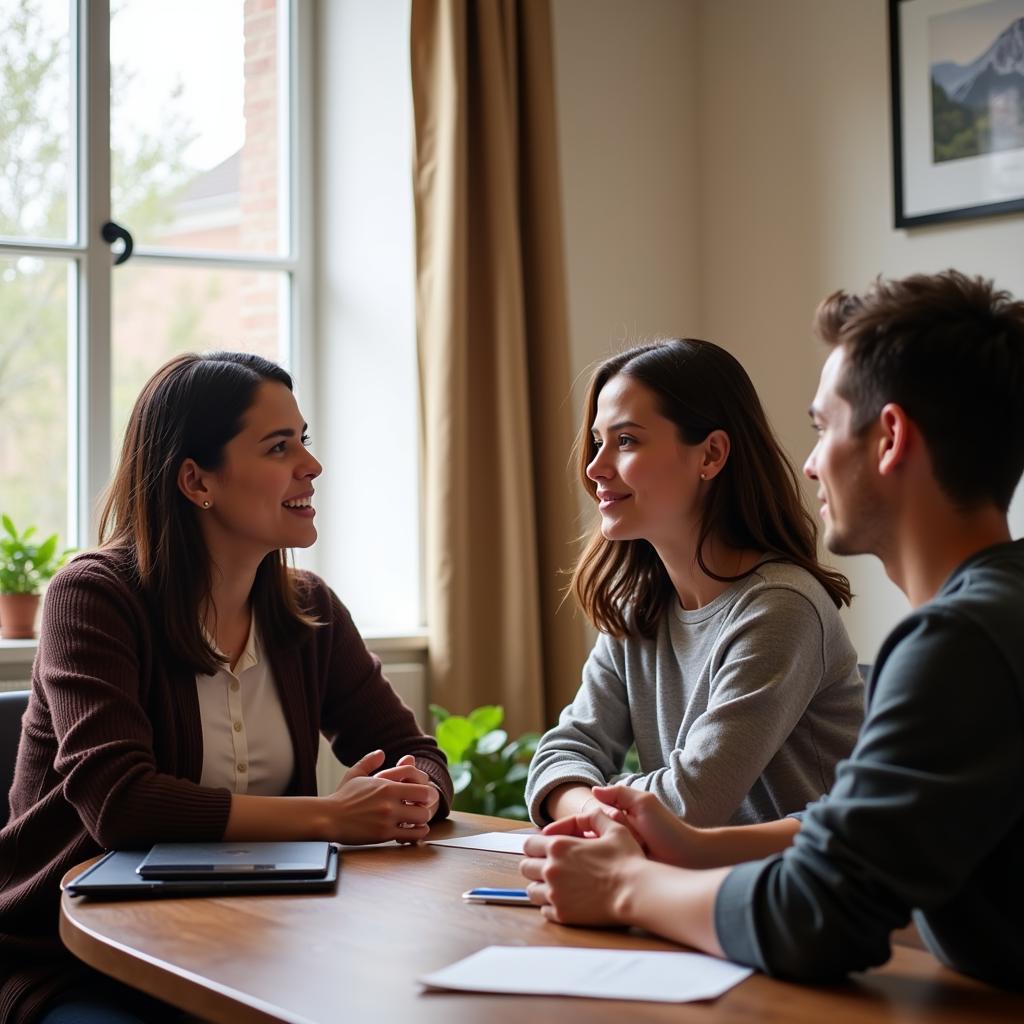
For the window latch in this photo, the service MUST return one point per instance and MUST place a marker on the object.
(113, 232)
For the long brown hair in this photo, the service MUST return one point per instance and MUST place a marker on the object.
(753, 503)
(190, 408)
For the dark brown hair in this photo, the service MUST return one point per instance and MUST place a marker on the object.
(948, 349)
(753, 503)
(190, 408)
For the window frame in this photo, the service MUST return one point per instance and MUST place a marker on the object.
(89, 338)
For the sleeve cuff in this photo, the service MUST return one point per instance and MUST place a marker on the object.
(735, 913)
(552, 780)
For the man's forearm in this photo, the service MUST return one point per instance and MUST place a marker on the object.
(673, 902)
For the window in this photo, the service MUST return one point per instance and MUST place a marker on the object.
(204, 154)
(198, 156)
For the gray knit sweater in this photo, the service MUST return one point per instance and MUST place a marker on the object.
(739, 710)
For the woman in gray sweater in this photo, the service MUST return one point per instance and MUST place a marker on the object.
(720, 653)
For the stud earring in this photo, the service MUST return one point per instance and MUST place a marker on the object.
(703, 476)
(206, 504)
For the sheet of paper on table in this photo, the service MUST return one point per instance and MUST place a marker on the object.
(598, 973)
(500, 842)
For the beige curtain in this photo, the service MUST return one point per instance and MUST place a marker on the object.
(494, 362)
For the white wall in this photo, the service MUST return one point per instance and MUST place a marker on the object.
(796, 201)
(625, 78)
(726, 164)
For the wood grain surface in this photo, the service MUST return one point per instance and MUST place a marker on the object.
(354, 956)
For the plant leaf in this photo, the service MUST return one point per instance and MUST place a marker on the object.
(454, 736)
(45, 552)
(487, 767)
(486, 718)
(9, 526)
(523, 748)
(461, 777)
(492, 742)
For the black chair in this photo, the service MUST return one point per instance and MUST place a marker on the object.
(12, 708)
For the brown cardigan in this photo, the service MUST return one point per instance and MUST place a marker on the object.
(111, 749)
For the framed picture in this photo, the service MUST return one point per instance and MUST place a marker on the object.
(957, 71)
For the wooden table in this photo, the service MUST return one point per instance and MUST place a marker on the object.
(354, 956)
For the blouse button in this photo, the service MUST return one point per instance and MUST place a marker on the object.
(242, 766)
(238, 727)
(234, 685)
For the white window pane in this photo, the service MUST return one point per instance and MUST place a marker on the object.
(35, 123)
(33, 393)
(366, 417)
(194, 139)
(160, 311)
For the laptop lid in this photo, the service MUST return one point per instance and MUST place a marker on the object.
(168, 861)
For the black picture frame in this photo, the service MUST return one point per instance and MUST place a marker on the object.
(931, 186)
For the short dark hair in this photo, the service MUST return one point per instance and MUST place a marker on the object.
(753, 503)
(948, 349)
(190, 409)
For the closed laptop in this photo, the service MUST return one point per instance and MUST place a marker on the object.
(168, 861)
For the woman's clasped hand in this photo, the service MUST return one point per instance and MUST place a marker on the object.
(396, 803)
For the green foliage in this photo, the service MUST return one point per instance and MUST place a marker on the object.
(488, 770)
(959, 131)
(24, 566)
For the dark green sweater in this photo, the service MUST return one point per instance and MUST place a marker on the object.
(927, 815)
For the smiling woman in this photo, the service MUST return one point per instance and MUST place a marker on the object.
(184, 672)
(721, 655)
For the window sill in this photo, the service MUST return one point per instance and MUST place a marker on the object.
(387, 645)
(14, 652)
(16, 655)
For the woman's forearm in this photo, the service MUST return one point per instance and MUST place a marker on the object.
(734, 844)
(277, 819)
(566, 800)
(396, 804)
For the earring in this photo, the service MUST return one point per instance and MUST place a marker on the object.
(206, 504)
(703, 476)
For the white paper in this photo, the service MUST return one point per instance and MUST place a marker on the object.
(499, 842)
(599, 973)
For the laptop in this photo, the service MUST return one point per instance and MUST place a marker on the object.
(116, 876)
(167, 861)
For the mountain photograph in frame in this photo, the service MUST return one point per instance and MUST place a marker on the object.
(957, 76)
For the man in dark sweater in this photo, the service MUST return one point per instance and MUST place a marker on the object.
(920, 422)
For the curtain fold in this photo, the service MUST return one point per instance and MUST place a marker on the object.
(494, 362)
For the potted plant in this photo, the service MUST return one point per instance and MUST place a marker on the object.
(488, 770)
(24, 569)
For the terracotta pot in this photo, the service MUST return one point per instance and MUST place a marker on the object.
(18, 616)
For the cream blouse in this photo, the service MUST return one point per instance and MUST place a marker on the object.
(246, 744)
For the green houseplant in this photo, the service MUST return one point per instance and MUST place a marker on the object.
(488, 770)
(24, 569)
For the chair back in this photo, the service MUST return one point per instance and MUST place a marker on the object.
(12, 708)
